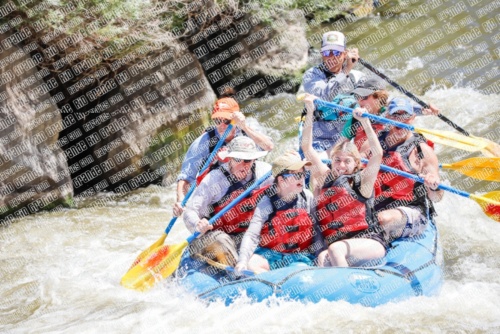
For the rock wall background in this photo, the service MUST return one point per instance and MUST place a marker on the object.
(100, 96)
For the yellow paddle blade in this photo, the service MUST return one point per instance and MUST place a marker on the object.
(149, 250)
(301, 97)
(479, 168)
(490, 203)
(159, 265)
(492, 149)
(453, 139)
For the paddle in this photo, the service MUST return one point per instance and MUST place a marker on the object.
(160, 241)
(301, 130)
(480, 168)
(491, 148)
(442, 137)
(489, 202)
(165, 260)
(222, 266)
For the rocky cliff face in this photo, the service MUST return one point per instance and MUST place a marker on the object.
(255, 50)
(126, 121)
(100, 101)
(33, 169)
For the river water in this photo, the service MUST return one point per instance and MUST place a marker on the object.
(60, 271)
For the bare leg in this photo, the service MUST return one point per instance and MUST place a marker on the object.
(338, 252)
(323, 260)
(363, 250)
(392, 222)
(354, 251)
(258, 264)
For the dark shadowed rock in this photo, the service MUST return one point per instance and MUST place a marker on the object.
(33, 169)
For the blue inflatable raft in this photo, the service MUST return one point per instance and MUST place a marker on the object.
(412, 267)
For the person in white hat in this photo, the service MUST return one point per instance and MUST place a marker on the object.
(335, 74)
(333, 77)
(221, 240)
(282, 229)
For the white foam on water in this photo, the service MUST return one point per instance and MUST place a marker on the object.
(414, 63)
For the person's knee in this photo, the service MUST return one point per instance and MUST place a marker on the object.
(323, 259)
(264, 264)
(391, 217)
(258, 264)
(385, 217)
(338, 249)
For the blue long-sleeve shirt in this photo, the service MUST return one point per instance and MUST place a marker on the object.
(195, 155)
(326, 85)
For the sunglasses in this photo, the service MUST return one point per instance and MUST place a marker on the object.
(247, 161)
(219, 121)
(400, 115)
(328, 53)
(297, 176)
(362, 98)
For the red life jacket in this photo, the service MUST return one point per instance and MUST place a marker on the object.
(392, 190)
(237, 219)
(360, 136)
(342, 211)
(288, 229)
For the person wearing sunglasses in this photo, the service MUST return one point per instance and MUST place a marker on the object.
(403, 206)
(221, 240)
(372, 95)
(282, 228)
(344, 197)
(225, 110)
(334, 76)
